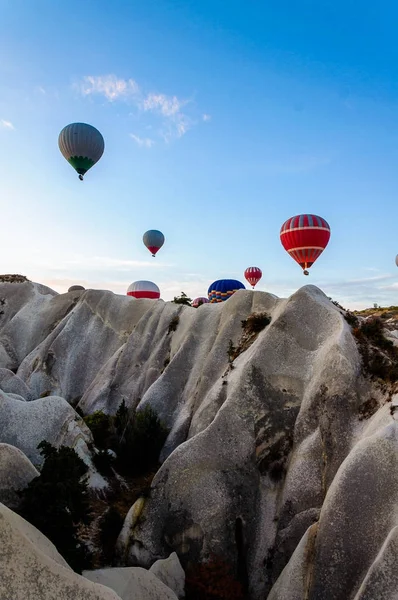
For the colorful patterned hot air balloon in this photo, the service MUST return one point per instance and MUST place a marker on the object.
(305, 237)
(153, 240)
(222, 289)
(144, 289)
(253, 275)
(82, 145)
(198, 301)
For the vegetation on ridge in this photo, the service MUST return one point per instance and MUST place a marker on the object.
(182, 299)
(12, 278)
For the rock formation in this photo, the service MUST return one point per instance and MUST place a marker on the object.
(281, 452)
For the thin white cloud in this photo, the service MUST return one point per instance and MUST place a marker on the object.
(206, 117)
(6, 124)
(145, 142)
(165, 105)
(109, 86)
(169, 108)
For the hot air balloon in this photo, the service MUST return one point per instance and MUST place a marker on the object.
(222, 289)
(82, 145)
(396, 260)
(253, 275)
(198, 301)
(144, 289)
(153, 240)
(76, 288)
(305, 237)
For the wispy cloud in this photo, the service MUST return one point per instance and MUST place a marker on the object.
(6, 124)
(109, 86)
(206, 117)
(145, 142)
(169, 108)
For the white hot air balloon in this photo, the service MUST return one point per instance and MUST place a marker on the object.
(82, 145)
(144, 289)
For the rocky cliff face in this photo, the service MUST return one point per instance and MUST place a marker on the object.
(281, 453)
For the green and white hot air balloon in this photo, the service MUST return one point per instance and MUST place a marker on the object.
(82, 145)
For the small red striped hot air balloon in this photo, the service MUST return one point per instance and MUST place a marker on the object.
(253, 275)
(305, 237)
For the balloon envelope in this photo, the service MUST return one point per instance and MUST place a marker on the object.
(396, 260)
(144, 289)
(82, 145)
(253, 275)
(305, 237)
(198, 301)
(153, 240)
(222, 289)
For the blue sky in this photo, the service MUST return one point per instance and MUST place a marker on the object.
(221, 120)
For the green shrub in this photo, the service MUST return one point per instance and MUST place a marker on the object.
(139, 447)
(100, 425)
(57, 503)
(183, 299)
(121, 419)
(103, 462)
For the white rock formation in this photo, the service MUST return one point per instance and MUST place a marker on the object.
(281, 455)
(25, 424)
(31, 567)
(16, 472)
(170, 571)
(132, 583)
(12, 384)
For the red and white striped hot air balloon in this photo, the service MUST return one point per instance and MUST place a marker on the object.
(144, 289)
(253, 275)
(305, 237)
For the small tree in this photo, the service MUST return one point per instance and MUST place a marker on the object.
(139, 447)
(183, 299)
(121, 419)
(100, 425)
(57, 502)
